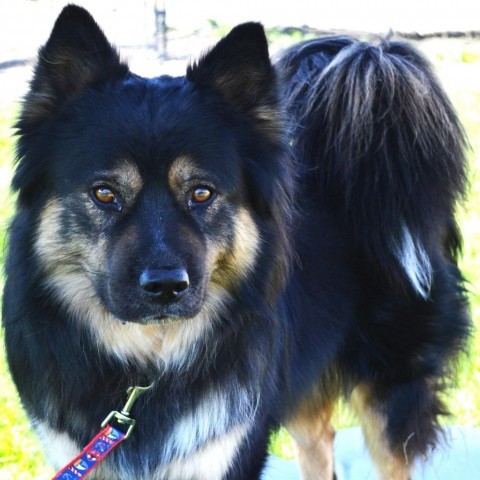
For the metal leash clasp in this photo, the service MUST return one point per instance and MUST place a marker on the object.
(123, 417)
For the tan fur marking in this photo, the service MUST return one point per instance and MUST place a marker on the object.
(240, 259)
(247, 242)
(169, 343)
(210, 462)
(389, 466)
(182, 169)
(269, 124)
(313, 438)
(48, 230)
(127, 174)
(166, 343)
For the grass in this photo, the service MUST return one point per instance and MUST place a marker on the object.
(20, 455)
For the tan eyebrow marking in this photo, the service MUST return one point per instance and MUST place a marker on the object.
(183, 168)
(126, 173)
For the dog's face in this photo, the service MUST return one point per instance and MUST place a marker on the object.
(144, 205)
(153, 196)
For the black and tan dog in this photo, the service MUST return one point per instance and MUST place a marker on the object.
(255, 248)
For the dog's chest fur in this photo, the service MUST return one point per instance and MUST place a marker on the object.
(202, 444)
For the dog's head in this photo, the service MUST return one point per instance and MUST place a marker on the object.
(153, 197)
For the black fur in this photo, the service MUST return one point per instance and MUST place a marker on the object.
(377, 108)
(327, 301)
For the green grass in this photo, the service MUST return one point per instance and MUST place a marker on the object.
(20, 455)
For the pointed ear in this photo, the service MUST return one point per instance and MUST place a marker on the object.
(239, 69)
(76, 56)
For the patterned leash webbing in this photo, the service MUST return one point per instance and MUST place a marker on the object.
(104, 442)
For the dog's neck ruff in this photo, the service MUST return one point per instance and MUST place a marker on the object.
(105, 441)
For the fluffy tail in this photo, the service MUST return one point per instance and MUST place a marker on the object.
(375, 127)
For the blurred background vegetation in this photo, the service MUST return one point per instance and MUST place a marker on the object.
(447, 39)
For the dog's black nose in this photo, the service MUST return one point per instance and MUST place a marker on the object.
(165, 284)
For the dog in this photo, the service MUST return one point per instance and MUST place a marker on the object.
(255, 240)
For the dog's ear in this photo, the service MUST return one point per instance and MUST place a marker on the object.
(76, 56)
(239, 69)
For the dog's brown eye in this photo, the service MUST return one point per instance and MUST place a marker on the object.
(104, 195)
(201, 195)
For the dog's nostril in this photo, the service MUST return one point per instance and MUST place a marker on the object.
(180, 287)
(165, 284)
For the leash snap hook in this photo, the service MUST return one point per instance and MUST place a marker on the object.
(123, 417)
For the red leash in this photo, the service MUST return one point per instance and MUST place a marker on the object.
(105, 441)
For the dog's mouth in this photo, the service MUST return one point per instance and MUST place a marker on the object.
(162, 319)
(209, 301)
(145, 314)
(131, 308)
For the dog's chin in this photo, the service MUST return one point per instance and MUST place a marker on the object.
(164, 316)
(157, 320)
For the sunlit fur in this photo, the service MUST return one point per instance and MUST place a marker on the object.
(321, 266)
